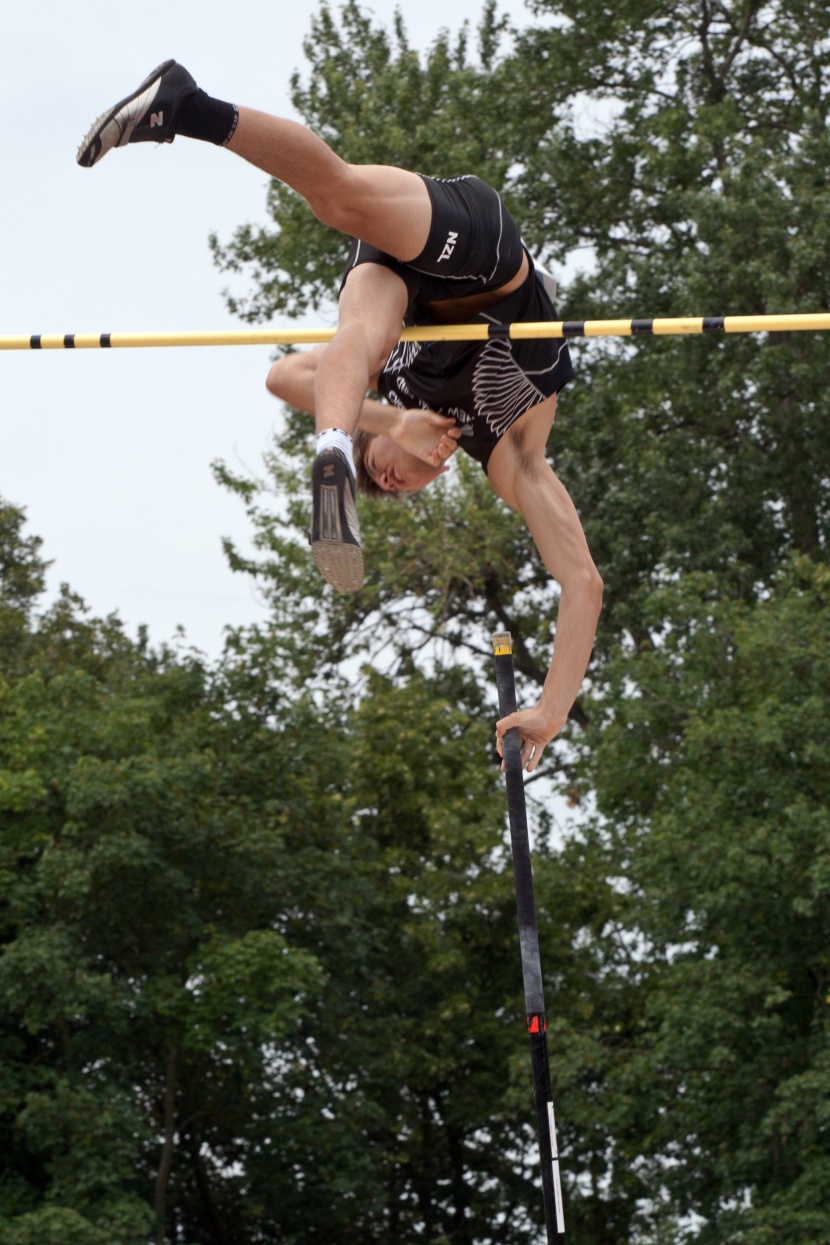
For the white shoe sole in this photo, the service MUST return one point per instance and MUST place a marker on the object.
(340, 564)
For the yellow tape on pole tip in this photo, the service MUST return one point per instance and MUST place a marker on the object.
(502, 644)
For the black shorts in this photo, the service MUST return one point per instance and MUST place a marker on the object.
(473, 245)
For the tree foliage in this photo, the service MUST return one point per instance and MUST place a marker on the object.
(258, 976)
(711, 779)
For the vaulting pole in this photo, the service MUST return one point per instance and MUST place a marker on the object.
(816, 322)
(529, 946)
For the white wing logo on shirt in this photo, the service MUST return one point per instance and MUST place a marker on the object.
(403, 356)
(501, 390)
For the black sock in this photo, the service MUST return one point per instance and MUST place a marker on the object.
(201, 116)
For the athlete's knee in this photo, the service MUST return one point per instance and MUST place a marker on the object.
(369, 339)
(291, 378)
(528, 460)
(278, 376)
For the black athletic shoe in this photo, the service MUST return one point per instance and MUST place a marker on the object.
(335, 531)
(145, 116)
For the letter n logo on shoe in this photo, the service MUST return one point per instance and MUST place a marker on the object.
(156, 118)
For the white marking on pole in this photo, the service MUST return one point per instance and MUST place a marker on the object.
(557, 1183)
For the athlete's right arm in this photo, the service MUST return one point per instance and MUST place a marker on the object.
(427, 435)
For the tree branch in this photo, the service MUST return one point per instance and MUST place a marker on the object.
(740, 38)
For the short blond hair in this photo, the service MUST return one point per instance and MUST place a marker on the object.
(365, 484)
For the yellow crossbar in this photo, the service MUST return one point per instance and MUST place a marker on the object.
(816, 322)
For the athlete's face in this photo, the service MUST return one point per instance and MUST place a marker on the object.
(396, 470)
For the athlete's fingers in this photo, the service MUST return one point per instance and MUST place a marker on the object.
(531, 751)
(502, 727)
(536, 758)
(531, 737)
(445, 450)
(445, 423)
(531, 754)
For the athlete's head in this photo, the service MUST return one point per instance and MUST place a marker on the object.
(384, 469)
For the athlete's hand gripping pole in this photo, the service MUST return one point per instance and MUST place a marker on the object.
(529, 944)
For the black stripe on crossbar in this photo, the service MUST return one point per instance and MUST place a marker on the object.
(641, 328)
(69, 341)
(501, 331)
(713, 324)
(106, 339)
(573, 328)
(34, 341)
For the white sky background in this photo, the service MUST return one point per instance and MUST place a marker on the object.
(110, 451)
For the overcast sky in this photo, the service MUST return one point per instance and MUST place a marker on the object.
(110, 451)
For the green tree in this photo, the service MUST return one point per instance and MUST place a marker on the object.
(259, 976)
(144, 985)
(712, 785)
(22, 579)
(700, 188)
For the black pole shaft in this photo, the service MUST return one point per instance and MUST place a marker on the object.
(529, 945)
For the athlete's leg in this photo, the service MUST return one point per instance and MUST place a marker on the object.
(371, 309)
(387, 207)
(370, 312)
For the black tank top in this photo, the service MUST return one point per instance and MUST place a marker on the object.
(484, 386)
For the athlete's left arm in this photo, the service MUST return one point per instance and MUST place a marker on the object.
(554, 525)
